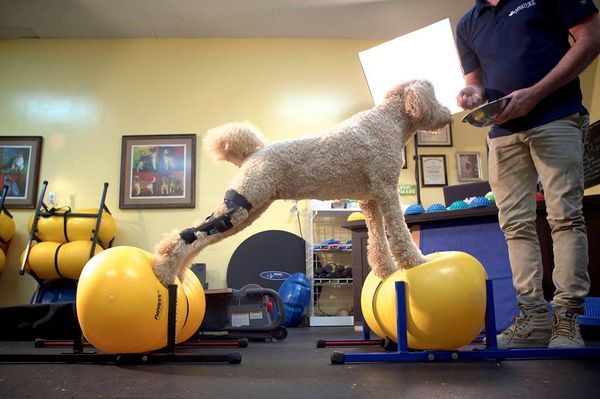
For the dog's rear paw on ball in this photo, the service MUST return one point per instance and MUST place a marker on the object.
(162, 272)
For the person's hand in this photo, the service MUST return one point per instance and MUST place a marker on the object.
(471, 97)
(521, 103)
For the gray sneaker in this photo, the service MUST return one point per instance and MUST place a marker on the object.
(565, 329)
(529, 330)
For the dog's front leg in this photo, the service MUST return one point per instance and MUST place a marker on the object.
(406, 253)
(378, 249)
(173, 254)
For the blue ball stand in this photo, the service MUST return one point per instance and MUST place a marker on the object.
(472, 351)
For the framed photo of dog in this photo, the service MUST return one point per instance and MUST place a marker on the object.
(439, 138)
(20, 169)
(158, 171)
(433, 170)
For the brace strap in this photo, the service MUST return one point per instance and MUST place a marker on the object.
(213, 225)
(234, 200)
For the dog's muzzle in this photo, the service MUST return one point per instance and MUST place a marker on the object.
(213, 225)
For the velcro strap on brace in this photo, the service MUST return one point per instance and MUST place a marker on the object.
(234, 200)
(213, 225)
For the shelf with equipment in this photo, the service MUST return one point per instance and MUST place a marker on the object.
(329, 264)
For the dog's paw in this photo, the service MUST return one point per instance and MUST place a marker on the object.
(162, 270)
(411, 261)
(165, 279)
(382, 272)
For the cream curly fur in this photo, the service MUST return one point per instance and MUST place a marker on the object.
(360, 158)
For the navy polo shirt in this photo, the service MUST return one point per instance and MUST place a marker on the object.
(516, 43)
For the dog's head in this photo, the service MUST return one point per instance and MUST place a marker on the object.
(416, 99)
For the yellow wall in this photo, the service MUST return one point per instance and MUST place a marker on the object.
(590, 82)
(83, 95)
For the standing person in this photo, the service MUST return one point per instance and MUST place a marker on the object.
(521, 49)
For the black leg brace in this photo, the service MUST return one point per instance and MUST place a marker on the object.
(213, 225)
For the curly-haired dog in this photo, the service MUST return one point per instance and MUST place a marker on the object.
(359, 158)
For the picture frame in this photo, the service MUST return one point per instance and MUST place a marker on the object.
(433, 170)
(158, 171)
(438, 138)
(20, 169)
(468, 166)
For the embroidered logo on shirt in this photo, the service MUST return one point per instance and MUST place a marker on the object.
(523, 6)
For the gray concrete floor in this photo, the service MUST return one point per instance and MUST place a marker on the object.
(295, 368)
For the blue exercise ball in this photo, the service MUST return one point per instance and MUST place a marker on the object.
(295, 296)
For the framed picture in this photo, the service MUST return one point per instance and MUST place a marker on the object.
(438, 138)
(158, 171)
(405, 164)
(20, 169)
(468, 165)
(433, 170)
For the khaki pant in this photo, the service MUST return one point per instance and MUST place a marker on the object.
(553, 151)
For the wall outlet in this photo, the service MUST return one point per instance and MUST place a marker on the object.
(52, 198)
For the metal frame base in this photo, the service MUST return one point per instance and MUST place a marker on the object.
(490, 351)
(129, 358)
(167, 355)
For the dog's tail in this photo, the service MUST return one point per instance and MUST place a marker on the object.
(234, 142)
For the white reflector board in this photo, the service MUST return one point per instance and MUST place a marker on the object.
(428, 53)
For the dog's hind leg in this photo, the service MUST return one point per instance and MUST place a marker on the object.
(404, 250)
(378, 249)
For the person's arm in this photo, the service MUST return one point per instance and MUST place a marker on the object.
(586, 48)
(473, 95)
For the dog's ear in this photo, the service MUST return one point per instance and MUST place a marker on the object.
(415, 98)
(411, 94)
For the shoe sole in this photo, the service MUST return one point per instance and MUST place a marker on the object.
(524, 345)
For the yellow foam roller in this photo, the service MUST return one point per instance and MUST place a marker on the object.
(7, 227)
(445, 301)
(121, 305)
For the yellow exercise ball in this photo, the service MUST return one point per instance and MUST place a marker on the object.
(121, 305)
(194, 293)
(367, 296)
(41, 260)
(73, 256)
(82, 228)
(49, 228)
(354, 216)
(7, 227)
(445, 301)
(2, 260)
(53, 260)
